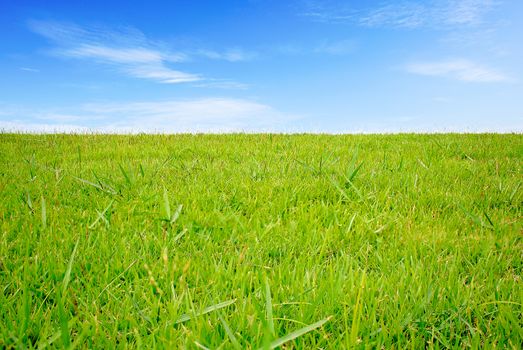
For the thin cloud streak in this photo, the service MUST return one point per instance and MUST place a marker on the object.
(121, 55)
(129, 50)
(32, 70)
(193, 115)
(403, 14)
(230, 55)
(459, 69)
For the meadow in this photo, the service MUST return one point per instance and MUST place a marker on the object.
(245, 241)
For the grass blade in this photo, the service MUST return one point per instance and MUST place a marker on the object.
(354, 172)
(343, 192)
(356, 316)
(268, 307)
(351, 222)
(187, 317)
(28, 202)
(101, 215)
(97, 186)
(297, 333)
(47, 342)
(489, 219)
(176, 214)
(513, 194)
(115, 278)
(229, 332)
(62, 314)
(67, 276)
(476, 219)
(125, 175)
(166, 205)
(200, 346)
(64, 323)
(44, 213)
(179, 235)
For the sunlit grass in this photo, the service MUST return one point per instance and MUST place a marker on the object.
(254, 241)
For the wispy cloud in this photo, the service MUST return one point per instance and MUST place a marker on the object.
(407, 15)
(193, 115)
(402, 14)
(459, 69)
(27, 69)
(467, 12)
(231, 55)
(129, 50)
(118, 55)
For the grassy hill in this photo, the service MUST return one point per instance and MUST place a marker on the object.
(249, 241)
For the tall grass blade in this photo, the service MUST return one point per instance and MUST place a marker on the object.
(125, 175)
(115, 278)
(343, 192)
(268, 306)
(98, 186)
(354, 172)
(229, 333)
(176, 214)
(476, 219)
(26, 304)
(489, 219)
(187, 317)
(64, 323)
(356, 316)
(47, 342)
(513, 194)
(166, 205)
(44, 213)
(200, 346)
(67, 276)
(101, 215)
(180, 235)
(298, 333)
(28, 202)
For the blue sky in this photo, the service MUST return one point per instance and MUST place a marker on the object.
(261, 65)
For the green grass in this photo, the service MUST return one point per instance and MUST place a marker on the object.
(256, 241)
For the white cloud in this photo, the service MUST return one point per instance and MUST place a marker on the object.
(32, 70)
(231, 55)
(403, 14)
(459, 69)
(466, 11)
(121, 55)
(161, 74)
(129, 50)
(406, 15)
(192, 115)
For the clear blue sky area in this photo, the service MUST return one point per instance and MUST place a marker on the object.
(261, 65)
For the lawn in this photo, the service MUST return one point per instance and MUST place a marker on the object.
(254, 241)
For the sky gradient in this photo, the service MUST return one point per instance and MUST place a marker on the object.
(262, 66)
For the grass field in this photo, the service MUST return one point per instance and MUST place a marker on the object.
(253, 241)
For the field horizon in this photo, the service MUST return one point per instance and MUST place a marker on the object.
(259, 133)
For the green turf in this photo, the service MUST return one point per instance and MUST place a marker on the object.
(252, 241)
